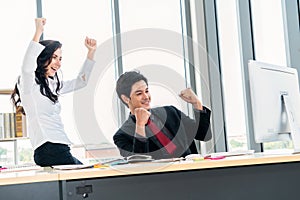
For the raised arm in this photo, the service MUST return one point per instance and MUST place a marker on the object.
(29, 62)
(190, 97)
(83, 76)
(39, 29)
(91, 45)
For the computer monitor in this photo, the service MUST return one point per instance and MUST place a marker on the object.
(275, 101)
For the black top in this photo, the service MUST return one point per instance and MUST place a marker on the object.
(182, 131)
(181, 128)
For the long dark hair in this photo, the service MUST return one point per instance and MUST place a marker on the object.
(43, 60)
(15, 98)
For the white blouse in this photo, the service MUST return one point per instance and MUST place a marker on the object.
(44, 123)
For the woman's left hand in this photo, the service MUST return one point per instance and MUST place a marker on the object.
(91, 45)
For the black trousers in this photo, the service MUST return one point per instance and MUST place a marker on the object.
(50, 154)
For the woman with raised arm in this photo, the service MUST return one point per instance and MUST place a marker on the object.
(38, 90)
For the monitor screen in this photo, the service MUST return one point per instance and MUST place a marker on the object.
(268, 85)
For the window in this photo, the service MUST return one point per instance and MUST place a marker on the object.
(88, 111)
(268, 46)
(230, 62)
(152, 42)
(269, 42)
(268, 31)
(13, 46)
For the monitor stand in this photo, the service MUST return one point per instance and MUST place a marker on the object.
(295, 129)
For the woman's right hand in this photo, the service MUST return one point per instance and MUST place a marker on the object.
(39, 28)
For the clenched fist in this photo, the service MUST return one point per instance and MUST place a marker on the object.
(189, 96)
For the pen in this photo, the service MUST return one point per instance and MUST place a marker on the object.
(2, 168)
(214, 158)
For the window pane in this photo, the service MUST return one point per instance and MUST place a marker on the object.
(13, 43)
(152, 43)
(17, 22)
(268, 31)
(269, 43)
(70, 26)
(231, 75)
(25, 152)
(7, 152)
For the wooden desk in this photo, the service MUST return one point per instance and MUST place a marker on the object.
(245, 177)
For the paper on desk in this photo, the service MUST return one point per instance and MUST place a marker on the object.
(101, 164)
(232, 153)
(84, 166)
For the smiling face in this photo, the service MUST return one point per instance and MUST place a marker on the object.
(55, 63)
(139, 96)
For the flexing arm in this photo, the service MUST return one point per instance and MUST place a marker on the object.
(82, 78)
(190, 97)
(91, 45)
(201, 123)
